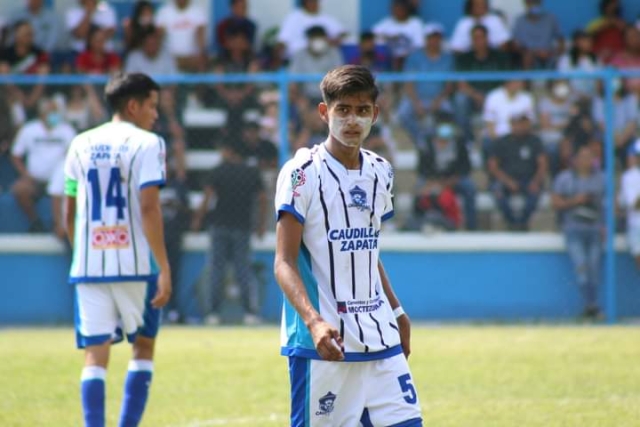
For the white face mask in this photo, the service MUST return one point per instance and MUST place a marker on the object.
(339, 126)
(561, 90)
(318, 45)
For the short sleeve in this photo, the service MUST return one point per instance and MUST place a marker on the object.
(73, 18)
(388, 211)
(294, 189)
(286, 30)
(108, 19)
(560, 185)
(498, 31)
(334, 27)
(461, 36)
(56, 184)
(489, 113)
(162, 18)
(152, 165)
(21, 143)
(71, 163)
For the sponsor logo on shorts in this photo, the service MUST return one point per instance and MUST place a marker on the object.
(116, 237)
(359, 306)
(325, 404)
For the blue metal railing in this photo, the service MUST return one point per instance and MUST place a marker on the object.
(283, 79)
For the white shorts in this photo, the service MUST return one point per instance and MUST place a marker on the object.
(107, 312)
(633, 240)
(347, 394)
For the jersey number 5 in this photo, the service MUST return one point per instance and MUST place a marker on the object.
(114, 193)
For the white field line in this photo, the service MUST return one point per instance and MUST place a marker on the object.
(234, 421)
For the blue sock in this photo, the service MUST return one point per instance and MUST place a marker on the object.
(136, 391)
(92, 391)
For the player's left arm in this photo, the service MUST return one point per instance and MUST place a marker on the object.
(404, 324)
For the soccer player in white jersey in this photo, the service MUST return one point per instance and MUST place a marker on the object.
(113, 174)
(343, 328)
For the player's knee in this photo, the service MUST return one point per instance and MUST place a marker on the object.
(143, 348)
(97, 355)
(22, 188)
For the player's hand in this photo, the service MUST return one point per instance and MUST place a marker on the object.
(163, 294)
(404, 325)
(327, 340)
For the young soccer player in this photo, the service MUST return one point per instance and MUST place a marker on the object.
(114, 223)
(343, 328)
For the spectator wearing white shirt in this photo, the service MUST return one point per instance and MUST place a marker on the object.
(184, 27)
(504, 102)
(39, 147)
(581, 57)
(401, 32)
(477, 12)
(291, 37)
(629, 198)
(44, 22)
(89, 13)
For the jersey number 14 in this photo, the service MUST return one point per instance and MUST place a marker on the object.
(114, 197)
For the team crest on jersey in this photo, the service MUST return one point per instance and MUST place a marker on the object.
(326, 404)
(298, 179)
(358, 199)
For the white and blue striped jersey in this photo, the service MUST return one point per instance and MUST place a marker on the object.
(105, 169)
(342, 212)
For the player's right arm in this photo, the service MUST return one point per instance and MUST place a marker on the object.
(294, 191)
(288, 239)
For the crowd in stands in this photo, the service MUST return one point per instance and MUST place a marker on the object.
(520, 135)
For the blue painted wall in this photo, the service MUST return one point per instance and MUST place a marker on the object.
(432, 286)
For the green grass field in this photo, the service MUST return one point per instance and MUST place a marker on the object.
(466, 377)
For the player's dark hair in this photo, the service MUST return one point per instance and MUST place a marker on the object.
(122, 88)
(348, 80)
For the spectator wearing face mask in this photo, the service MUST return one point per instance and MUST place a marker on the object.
(537, 37)
(39, 147)
(555, 113)
(319, 57)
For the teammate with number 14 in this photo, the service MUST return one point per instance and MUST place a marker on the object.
(114, 223)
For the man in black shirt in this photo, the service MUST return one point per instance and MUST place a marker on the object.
(519, 166)
(236, 187)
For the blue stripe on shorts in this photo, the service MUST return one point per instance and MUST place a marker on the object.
(299, 377)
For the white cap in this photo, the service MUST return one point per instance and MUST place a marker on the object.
(431, 28)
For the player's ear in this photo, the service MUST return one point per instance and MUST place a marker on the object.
(376, 111)
(323, 110)
(132, 107)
